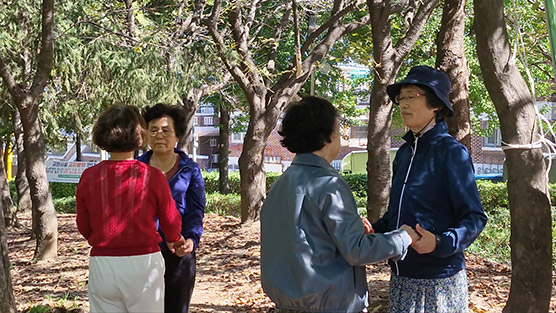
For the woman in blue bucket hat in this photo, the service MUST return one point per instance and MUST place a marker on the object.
(434, 191)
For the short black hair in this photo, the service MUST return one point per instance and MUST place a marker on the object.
(308, 124)
(176, 112)
(434, 102)
(120, 128)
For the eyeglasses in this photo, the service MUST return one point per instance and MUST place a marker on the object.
(399, 98)
(166, 132)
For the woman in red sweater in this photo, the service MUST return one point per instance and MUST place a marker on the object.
(117, 201)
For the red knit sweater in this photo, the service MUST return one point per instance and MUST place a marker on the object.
(117, 202)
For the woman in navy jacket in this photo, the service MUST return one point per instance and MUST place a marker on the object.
(165, 125)
(434, 191)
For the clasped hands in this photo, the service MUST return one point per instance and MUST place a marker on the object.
(422, 240)
(181, 247)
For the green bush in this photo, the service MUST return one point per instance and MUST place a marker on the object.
(493, 195)
(224, 204)
(65, 204)
(358, 185)
(62, 190)
(357, 182)
(211, 181)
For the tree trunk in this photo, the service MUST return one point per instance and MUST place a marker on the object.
(44, 215)
(190, 105)
(223, 150)
(5, 197)
(78, 152)
(251, 166)
(378, 149)
(451, 59)
(388, 59)
(7, 300)
(27, 102)
(531, 244)
(22, 185)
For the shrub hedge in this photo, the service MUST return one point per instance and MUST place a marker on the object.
(492, 243)
(494, 196)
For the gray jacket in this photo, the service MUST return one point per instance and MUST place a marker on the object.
(313, 246)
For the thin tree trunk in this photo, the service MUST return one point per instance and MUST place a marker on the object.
(78, 152)
(251, 163)
(7, 300)
(44, 216)
(389, 58)
(530, 241)
(223, 150)
(451, 59)
(190, 106)
(22, 184)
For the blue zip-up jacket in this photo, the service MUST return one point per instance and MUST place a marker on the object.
(188, 191)
(313, 245)
(433, 184)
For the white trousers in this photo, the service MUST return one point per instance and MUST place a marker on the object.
(127, 284)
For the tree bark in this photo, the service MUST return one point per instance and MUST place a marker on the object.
(7, 300)
(46, 232)
(22, 184)
(223, 150)
(27, 102)
(78, 152)
(190, 105)
(451, 59)
(388, 58)
(530, 241)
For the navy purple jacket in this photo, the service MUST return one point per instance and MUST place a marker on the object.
(188, 191)
(433, 184)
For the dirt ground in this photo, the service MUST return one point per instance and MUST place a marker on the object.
(227, 272)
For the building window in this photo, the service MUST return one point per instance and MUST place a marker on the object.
(213, 142)
(238, 137)
(195, 121)
(206, 110)
(207, 120)
(494, 140)
(272, 159)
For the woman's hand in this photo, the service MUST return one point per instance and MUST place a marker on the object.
(174, 247)
(427, 242)
(368, 226)
(414, 236)
(186, 248)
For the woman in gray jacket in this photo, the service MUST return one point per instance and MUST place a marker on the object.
(313, 243)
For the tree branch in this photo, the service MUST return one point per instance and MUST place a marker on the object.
(46, 54)
(9, 80)
(221, 46)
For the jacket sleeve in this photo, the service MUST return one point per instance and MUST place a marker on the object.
(465, 203)
(192, 220)
(346, 229)
(82, 217)
(167, 215)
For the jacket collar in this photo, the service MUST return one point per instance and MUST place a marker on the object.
(311, 159)
(184, 159)
(439, 128)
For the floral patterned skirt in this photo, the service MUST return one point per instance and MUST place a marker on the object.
(443, 295)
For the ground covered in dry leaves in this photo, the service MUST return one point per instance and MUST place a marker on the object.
(227, 273)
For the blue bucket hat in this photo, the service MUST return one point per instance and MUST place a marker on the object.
(423, 75)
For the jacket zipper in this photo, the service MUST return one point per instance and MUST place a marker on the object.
(413, 151)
